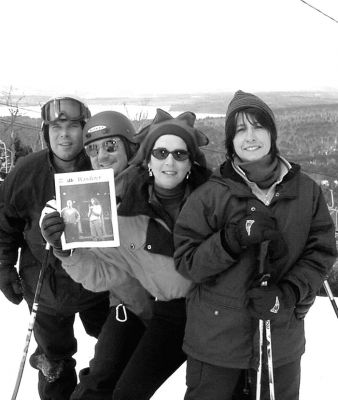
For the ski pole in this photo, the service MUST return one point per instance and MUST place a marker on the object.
(330, 296)
(260, 351)
(262, 255)
(31, 321)
(270, 360)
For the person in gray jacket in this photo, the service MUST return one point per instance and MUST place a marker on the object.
(133, 358)
(255, 197)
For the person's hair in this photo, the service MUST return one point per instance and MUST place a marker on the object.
(96, 202)
(253, 115)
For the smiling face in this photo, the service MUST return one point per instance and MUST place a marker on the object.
(65, 139)
(106, 158)
(251, 141)
(169, 173)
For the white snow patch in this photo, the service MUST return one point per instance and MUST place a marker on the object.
(319, 364)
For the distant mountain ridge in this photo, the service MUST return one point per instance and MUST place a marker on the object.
(204, 102)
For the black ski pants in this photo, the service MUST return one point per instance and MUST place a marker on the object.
(206, 381)
(54, 335)
(131, 361)
(113, 349)
(158, 355)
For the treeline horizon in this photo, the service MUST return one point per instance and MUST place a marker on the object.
(307, 134)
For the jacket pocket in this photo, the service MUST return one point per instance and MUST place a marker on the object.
(221, 301)
(218, 331)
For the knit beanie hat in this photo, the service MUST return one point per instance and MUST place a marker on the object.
(165, 124)
(242, 101)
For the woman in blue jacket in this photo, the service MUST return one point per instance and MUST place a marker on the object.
(254, 197)
(169, 165)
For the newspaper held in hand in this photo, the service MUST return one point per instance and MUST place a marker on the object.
(86, 201)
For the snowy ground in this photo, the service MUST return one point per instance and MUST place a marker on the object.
(319, 364)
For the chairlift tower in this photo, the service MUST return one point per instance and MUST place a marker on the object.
(5, 158)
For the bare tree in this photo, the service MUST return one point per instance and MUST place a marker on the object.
(140, 119)
(12, 103)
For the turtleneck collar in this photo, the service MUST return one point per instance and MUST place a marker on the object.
(171, 199)
(264, 172)
(176, 192)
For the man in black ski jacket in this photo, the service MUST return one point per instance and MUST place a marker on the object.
(23, 195)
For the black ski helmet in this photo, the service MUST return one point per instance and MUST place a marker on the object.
(108, 124)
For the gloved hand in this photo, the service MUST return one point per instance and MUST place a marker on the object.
(10, 283)
(52, 227)
(49, 208)
(250, 230)
(266, 302)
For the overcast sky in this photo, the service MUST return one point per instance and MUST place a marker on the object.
(139, 47)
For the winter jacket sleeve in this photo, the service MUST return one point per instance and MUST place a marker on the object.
(11, 223)
(97, 270)
(319, 253)
(86, 266)
(104, 269)
(197, 237)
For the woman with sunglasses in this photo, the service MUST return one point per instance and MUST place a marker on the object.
(168, 166)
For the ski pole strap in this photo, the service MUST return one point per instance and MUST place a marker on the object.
(263, 251)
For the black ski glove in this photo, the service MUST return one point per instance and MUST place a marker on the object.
(266, 302)
(52, 227)
(10, 283)
(251, 230)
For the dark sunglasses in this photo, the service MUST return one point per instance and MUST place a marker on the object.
(64, 108)
(110, 146)
(162, 153)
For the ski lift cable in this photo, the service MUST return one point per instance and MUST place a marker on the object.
(321, 12)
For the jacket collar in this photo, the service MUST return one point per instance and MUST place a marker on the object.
(227, 176)
(82, 162)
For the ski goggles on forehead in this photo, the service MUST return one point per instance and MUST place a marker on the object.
(162, 153)
(65, 108)
(110, 146)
